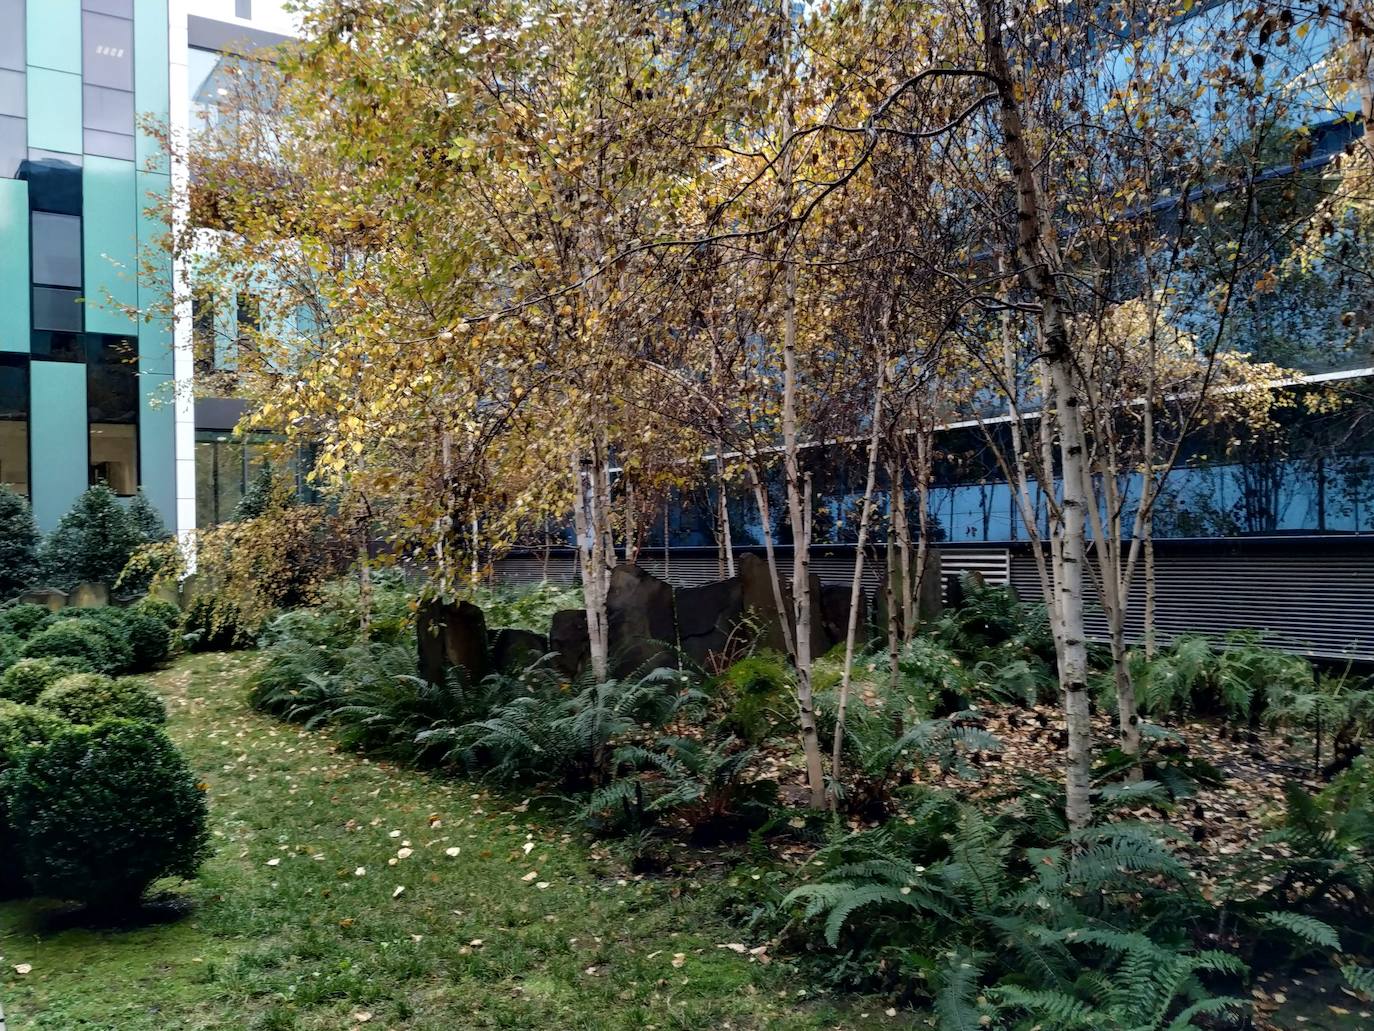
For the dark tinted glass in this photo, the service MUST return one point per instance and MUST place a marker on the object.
(108, 144)
(14, 145)
(12, 34)
(12, 94)
(111, 378)
(14, 386)
(56, 309)
(107, 46)
(59, 347)
(111, 110)
(56, 249)
(54, 182)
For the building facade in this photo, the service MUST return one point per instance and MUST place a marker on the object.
(95, 384)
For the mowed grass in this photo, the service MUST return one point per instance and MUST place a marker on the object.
(332, 902)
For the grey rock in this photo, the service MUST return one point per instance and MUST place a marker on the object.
(639, 611)
(513, 648)
(452, 635)
(49, 597)
(569, 639)
(89, 595)
(706, 616)
(756, 589)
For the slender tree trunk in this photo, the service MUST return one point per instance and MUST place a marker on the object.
(588, 516)
(726, 545)
(856, 590)
(894, 638)
(1149, 547)
(798, 495)
(1039, 263)
(907, 598)
(775, 581)
(924, 462)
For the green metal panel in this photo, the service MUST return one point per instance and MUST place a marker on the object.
(154, 337)
(14, 265)
(54, 110)
(59, 438)
(110, 209)
(157, 444)
(54, 37)
(150, 74)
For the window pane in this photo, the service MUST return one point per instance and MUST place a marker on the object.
(108, 144)
(203, 332)
(12, 39)
(12, 94)
(56, 249)
(110, 110)
(107, 51)
(119, 8)
(57, 309)
(58, 347)
(54, 181)
(114, 457)
(14, 455)
(111, 379)
(14, 145)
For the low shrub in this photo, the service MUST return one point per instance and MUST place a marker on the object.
(1235, 677)
(9, 650)
(530, 607)
(109, 624)
(27, 678)
(101, 812)
(22, 727)
(149, 639)
(216, 624)
(71, 639)
(756, 692)
(166, 612)
(24, 619)
(91, 697)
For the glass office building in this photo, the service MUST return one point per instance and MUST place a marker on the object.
(95, 382)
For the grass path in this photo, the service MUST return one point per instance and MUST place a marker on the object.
(332, 902)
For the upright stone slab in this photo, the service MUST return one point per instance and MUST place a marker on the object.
(168, 592)
(89, 595)
(569, 640)
(513, 649)
(452, 635)
(756, 589)
(189, 591)
(706, 616)
(639, 611)
(929, 593)
(834, 616)
(49, 597)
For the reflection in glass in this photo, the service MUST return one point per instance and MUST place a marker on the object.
(114, 457)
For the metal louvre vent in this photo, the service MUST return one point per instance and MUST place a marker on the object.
(1315, 601)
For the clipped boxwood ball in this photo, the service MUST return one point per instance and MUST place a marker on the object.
(91, 697)
(101, 812)
(22, 727)
(111, 626)
(70, 638)
(149, 639)
(28, 678)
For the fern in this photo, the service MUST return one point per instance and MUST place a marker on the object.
(1306, 929)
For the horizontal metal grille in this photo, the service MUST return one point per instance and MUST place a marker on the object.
(1317, 604)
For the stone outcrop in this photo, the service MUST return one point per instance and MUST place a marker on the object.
(89, 595)
(49, 597)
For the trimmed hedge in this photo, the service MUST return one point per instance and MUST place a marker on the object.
(71, 638)
(24, 620)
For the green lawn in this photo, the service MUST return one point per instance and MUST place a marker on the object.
(313, 914)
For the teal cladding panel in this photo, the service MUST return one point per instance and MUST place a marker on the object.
(54, 110)
(150, 76)
(57, 428)
(155, 336)
(157, 444)
(110, 208)
(54, 37)
(14, 265)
